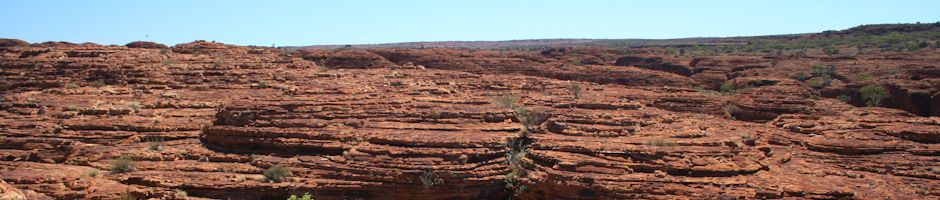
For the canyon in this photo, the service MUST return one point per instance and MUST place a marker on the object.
(206, 120)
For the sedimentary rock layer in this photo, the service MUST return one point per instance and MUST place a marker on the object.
(207, 119)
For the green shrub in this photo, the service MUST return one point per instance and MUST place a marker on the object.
(526, 117)
(277, 173)
(820, 70)
(517, 151)
(728, 87)
(862, 77)
(122, 165)
(831, 50)
(873, 94)
(306, 196)
(821, 82)
(512, 182)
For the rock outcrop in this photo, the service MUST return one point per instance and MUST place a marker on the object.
(146, 45)
(4, 42)
(205, 120)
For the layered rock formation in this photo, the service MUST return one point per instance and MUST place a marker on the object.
(205, 120)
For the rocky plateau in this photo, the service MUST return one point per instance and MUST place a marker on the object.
(205, 120)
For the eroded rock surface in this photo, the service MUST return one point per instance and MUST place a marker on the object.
(208, 118)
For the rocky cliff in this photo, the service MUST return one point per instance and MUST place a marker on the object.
(205, 120)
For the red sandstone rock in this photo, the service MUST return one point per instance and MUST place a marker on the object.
(12, 43)
(208, 118)
(146, 45)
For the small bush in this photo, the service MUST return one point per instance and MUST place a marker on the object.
(513, 184)
(669, 51)
(529, 118)
(92, 173)
(862, 77)
(575, 90)
(517, 151)
(507, 101)
(154, 142)
(831, 50)
(71, 86)
(181, 193)
(277, 173)
(728, 87)
(134, 105)
(820, 70)
(436, 115)
(155, 146)
(429, 178)
(873, 94)
(306, 196)
(122, 165)
(730, 109)
(821, 82)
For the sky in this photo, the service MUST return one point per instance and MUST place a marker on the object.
(297, 23)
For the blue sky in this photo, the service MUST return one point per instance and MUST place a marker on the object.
(358, 22)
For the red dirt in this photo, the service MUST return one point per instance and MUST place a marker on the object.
(371, 123)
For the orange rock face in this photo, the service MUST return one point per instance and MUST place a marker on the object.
(206, 120)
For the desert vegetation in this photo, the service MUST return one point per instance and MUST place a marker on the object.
(122, 165)
(873, 94)
(277, 173)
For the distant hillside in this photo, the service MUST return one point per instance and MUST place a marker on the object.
(545, 43)
(904, 33)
